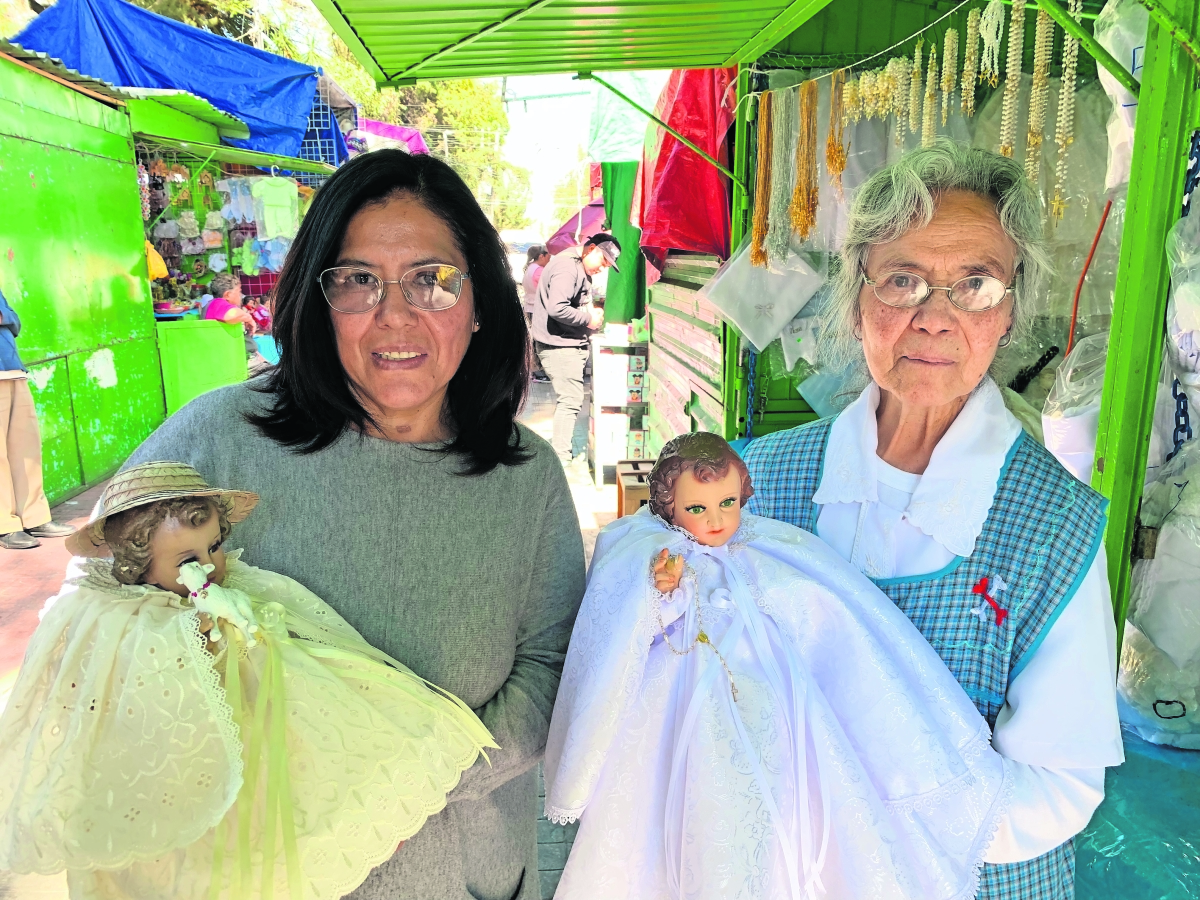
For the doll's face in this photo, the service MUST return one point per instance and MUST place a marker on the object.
(175, 543)
(710, 511)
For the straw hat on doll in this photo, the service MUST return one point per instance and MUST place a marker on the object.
(149, 483)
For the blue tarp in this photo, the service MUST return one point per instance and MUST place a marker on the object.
(128, 46)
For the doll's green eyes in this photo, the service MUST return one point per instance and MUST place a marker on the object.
(696, 509)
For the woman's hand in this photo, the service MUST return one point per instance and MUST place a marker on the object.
(667, 571)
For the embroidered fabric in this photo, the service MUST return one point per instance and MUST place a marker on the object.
(120, 760)
(797, 786)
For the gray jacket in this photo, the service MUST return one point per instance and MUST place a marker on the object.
(562, 313)
(471, 582)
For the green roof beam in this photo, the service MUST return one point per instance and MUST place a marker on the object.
(1091, 45)
(797, 13)
(472, 38)
(342, 27)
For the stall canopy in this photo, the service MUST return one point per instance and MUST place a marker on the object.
(582, 225)
(399, 41)
(124, 45)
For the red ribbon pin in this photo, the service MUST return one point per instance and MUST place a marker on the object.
(982, 589)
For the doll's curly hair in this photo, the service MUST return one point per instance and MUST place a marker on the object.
(128, 533)
(708, 456)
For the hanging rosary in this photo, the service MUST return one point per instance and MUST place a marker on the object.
(1064, 127)
(915, 84)
(949, 70)
(991, 27)
(1039, 95)
(902, 77)
(700, 638)
(929, 115)
(970, 64)
(835, 149)
(803, 208)
(1012, 78)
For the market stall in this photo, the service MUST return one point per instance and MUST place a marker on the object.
(105, 369)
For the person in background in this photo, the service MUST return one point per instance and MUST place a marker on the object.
(24, 510)
(563, 319)
(226, 306)
(260, 313)
(536, 259)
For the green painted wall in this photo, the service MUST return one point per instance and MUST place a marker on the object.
(73, 265)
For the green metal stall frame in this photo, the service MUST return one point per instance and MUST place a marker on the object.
(73, 261)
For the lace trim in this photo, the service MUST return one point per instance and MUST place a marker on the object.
(986, 836)
(970, 750)
(563, 816)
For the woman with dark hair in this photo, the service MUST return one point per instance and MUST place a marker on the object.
(397, 485)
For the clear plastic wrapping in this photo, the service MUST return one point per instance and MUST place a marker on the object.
(762, 301)
(1071, 416)
(1159, 683)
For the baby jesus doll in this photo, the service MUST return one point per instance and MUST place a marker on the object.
(185, 723)
(743, 714)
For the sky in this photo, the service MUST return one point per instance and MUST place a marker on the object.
(547, 135)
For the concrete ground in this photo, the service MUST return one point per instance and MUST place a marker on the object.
(29, 577)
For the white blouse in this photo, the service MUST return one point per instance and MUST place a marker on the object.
(1058, 728)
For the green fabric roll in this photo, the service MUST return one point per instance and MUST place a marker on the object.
(626, 297)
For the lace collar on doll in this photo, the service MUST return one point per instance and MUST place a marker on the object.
(955, 493)
(97, 573)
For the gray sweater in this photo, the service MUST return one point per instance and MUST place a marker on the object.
(471, 582)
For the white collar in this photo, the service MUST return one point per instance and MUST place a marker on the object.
(954, 495)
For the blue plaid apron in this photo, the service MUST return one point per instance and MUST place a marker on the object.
(984, 614)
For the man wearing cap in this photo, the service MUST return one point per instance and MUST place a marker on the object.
(563, 319)
(24, 512)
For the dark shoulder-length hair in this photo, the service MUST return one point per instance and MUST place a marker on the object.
(314, 401)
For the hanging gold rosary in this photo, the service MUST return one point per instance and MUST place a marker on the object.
(803, 208)
(835, 149)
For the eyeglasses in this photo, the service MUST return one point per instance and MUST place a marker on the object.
(350, 289)
(975, 293)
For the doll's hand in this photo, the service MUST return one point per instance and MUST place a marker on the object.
(220, 603)
(667, 571)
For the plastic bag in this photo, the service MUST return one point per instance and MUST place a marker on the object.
(167, 228)
(801, 335)
(828, 393)
(760, 301)
(1159, 682)
(1071, 416)
(1121, 30)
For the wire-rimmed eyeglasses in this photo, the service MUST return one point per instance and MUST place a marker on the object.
(904, 290)
(351, 289)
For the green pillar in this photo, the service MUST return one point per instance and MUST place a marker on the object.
(626, 298)
(1165, 117)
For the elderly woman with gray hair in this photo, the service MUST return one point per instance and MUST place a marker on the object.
(928, 485)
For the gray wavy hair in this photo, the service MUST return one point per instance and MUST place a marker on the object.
(903, 196)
